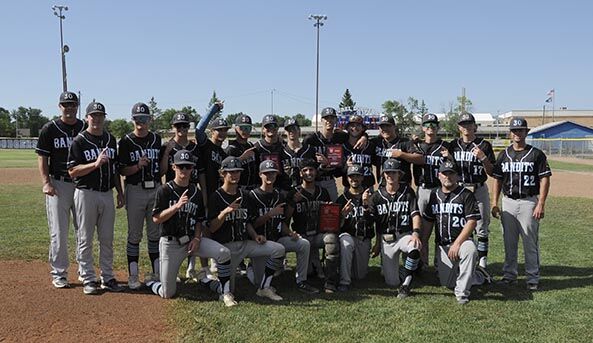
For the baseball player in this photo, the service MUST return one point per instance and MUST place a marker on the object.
(303, 207)
(394, 210)
(522, 173)
(266, 208)
(270, 147)
(213, 154)
(142, 166)
(230, 226)
(323, 139)
(294, 152)
(455, 212)
(180, 125)
(179, 208)
(54, 141)
(475, 160)
(92, 163)
(356, 232)
(242, 148)
(361, 155)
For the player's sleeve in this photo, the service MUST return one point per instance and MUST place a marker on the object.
(471, 209)
(44, 146)
(341, 201)
(161, 200)
(252, 212)
(489, 152)
(428, 212)
(233, 150)
(290, 198)
(201, 213)
(413, 201)
(543, 168)
(214, 205)
(497, 171)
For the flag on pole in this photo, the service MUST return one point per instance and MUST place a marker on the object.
(550, 96)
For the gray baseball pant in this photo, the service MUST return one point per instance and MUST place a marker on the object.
(58, 208)
(423, 198)
(459, 275)
(95, 210)
(242, 249)
(302, 249)
(330, 186)
(390, 253)
(517, 220)
(354, 258)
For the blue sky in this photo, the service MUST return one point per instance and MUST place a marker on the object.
(507, 54)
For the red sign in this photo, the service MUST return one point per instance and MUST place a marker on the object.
(334, 155)
(329, 218)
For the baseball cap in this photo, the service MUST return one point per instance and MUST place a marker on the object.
(140, 109)
(355, 169)
(355, 119)
(180, 118)
(290, 122)
(329, 111)
(219, 123)
(243, 119)
(231, 163)
(269, 119)
(466, 117)
(95, 107)
(386, 120)
(67, 97)
(268, 166)
(518, 123)
(430, 118)
(448, 166)
(308, 162)
(183, 157)
(391, 165)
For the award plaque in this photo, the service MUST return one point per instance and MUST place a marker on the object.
(334, 155)
(329, 218)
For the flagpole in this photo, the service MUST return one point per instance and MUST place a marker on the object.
(553, 104)
(544, 115)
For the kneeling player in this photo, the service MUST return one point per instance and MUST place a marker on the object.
(179, 207)
(394, 210)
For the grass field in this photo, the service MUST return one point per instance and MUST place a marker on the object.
(17, 158)
(567, 166)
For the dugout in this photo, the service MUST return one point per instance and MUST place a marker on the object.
(563, 138)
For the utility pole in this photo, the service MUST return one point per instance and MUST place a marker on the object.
(318, 23)
(63, 48)
(272, 94)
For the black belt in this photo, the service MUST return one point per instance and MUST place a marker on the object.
(520, 196)
(95, 189)
(62, 178)
(479, 184)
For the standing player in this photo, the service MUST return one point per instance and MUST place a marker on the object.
(294, 152)
(475, 160)
(303, 208)
(213, 154)
(241, 147)
(361, 155)
(266, 207)
(270, 147)
(394, 210)
(523, 175)
(356, 232)
(455, 211)
(179, 208)
(52, 149)
(142, 166)
(230, 225)
(92, 162)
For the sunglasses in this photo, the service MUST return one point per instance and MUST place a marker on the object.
(271, 127)
(246, 128)
(69, 104)
(181, 126)
(141, 119)
(431, 125)
(97, 115)
(185, 166)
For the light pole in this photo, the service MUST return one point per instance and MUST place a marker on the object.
(64, 48)
(318, 23)
(272, 94)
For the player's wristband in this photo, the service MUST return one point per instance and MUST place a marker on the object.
(484, 158)
(416, 231)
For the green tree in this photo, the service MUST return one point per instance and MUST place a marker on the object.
(192, 112)
(29, 118)
(156, 114)
(120, 127)
(449, 124)
(230, 118)
(347, 101)
(302, 120)
(404, 119)
(7, 128)
(214, 99)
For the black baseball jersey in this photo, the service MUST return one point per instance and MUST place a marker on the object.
(291, 161)
(234, 227)
(261, 202)
(362, 156)
(192, 147)
(212, 156)
(451, 211)
(184, 221)
(320, 144)
(521, 171)
(266, 151)
(471, 169)
(54, 141)
(382, 149)
(250, 174)
(305, 217)
(428, 174)
(393, 213)
(85, 149)
(132, 148)
(355, 222)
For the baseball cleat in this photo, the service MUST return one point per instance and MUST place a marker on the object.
(507, 282)
(111, 286)
(532, 287)
(462, 300)
(306, 288)
(268, 293)
(404, 292)
(90, 288)
(329, 288)
(228, 299)
(60, 283)
(133, 282)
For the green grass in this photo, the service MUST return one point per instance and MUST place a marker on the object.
(18, 158)
(562, 311)
(568, 166)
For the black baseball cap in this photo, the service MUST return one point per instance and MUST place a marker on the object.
(140, 109)
(386, 120)
(355, 169)
(308, 162)
(68, 97)
(391, 165)
(219, 123)
(355, 119)
(95, 107)
(466, 117)
(518, 123)
(329, 112)
(448, 166)
(290, 122)
(268, 166)
(269, 119)
(430, 118)
(180, 118)
(243, 119)
(183, 157)
(231, 163)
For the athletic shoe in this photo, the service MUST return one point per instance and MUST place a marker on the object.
(111, 286)
(228, 299)
(507, 282)
(462, 300)
(343, 288)
(329, 288)
(268, 293)
(80, 278)
(404, 292)
(148, 278)
(133, 282)
(90, 288)
(306, 288)
(532, 286)
(192, 274)
(208, 273)
(487, 277)
(60, 283)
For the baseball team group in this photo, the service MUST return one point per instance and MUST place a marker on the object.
(240, 205)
